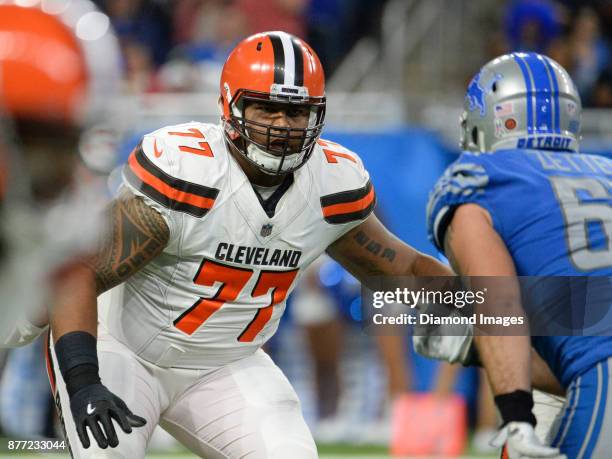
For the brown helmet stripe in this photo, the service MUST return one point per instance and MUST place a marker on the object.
(279, 59)
(299, 63)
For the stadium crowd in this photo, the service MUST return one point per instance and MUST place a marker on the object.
(577, 34)
(181, 45)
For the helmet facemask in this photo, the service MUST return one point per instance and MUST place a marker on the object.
(275, 150)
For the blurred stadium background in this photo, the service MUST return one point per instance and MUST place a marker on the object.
(396, 71)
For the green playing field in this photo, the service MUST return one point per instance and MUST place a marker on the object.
(326, 451)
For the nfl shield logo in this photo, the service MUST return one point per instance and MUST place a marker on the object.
(266, 230)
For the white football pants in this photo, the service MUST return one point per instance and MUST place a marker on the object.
(246, 409)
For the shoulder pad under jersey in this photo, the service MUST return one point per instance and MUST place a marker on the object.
(345, 190)
(180, 167)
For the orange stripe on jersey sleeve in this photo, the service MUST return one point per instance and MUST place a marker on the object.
(174, 193)
(350, 207)
(168, 190)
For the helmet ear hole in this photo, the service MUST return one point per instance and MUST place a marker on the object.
(475, 135)
(220, 104)
(494, 86)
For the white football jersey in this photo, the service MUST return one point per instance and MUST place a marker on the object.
(217, 291)
(40, 241)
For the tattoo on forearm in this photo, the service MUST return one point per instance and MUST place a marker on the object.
(374, 247)
(136, 235)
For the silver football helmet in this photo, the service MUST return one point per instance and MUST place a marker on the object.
(521, 100)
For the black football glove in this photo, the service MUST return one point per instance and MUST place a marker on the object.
(94, 406)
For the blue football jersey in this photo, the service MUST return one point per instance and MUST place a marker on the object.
(554, 212)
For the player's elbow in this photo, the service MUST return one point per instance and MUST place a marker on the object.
(426, 266)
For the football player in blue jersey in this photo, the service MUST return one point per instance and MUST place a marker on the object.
(521, 201)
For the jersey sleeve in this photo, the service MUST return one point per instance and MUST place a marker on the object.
(465, 181)
(347, 195)
(156, 172)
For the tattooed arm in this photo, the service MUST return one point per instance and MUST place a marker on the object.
(135, 235)
(371, 250)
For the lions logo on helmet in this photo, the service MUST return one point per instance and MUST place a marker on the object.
(521, 100)
(476, 93)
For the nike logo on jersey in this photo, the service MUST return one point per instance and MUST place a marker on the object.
(257, 256)
(156, 151)
(90, 409)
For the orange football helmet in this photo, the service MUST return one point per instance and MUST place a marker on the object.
(279, 68)
(59, 64)
(42, 68)
(53, 56)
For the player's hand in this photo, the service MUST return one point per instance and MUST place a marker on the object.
(95, 407)
(520, 442)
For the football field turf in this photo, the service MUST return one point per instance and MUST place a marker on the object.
(339, 453)
(185, 455)
(326, 451)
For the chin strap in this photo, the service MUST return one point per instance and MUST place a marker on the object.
(269, 162)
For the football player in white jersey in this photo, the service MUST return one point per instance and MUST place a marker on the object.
(208, 236)
(51, 77)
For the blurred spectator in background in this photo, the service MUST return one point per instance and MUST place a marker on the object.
(144, 30)
(145, 22)
(531, 25)
(140, 73)
(589, 50)
(327, 306)
(316, 312)
(181, 45)
(602, 92)
(327, 30)
(191, 17)
(603, 9)
(286, 15)
(209, 29)
(570, 32)
(334, 26)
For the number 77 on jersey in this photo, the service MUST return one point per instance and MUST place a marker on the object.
(271, 286)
